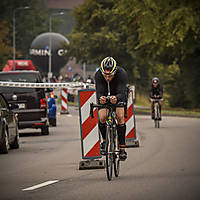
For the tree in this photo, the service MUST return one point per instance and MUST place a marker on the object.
(148, 37)
(29, 23)
(5, 47)
(172, 29)
(97, 34)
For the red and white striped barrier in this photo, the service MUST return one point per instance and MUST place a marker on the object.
(64, 106)
(89, 126)
(131, 139)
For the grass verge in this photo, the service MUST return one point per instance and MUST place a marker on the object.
(168, 111)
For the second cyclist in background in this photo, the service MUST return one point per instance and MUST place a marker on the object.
(156, 92)
(111, 80)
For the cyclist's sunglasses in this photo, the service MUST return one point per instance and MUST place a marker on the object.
(108, 76)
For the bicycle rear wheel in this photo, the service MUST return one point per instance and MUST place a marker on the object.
(157, 123)
(116, 155)
(109, 153)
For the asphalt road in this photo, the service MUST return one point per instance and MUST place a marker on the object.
(165, 166)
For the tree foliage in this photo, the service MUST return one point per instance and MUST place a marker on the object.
(5, 47)
(149, 38)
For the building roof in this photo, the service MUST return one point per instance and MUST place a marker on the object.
(63, 4)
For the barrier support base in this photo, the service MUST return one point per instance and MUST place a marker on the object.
(132, 143)
(91, 164)
(64, 112)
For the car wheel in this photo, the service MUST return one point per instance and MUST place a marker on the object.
(45, 130)
(4, 147)
(15, 144)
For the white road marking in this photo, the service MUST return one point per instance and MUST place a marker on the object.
(40, 185)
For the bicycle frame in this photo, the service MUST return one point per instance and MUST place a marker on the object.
(112, 146)
(156, 112)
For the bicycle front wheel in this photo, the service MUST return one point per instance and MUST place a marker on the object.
(109, 153)
(116, 155)
(157, 114)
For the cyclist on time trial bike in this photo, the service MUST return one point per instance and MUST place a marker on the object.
(111, 80)
(156, 92)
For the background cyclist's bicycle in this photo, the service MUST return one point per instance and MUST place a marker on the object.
(157, 113)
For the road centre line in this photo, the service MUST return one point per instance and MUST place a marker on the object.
(40, 185)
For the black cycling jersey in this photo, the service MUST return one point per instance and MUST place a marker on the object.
(117, 85)
(156, 91)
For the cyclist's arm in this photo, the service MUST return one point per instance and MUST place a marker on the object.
(161, 91)
(121, 87)
(151, 95)
(100, 86)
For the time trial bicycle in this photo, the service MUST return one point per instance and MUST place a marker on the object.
(157, 114)
(112, 143)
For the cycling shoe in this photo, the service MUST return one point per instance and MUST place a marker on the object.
(122, 155)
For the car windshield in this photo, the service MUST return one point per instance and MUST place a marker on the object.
(18, 77)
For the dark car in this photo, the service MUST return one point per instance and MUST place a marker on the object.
(31, 102)
(9, 136)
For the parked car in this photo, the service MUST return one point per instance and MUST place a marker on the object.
(51, 108)
(19, 65)
(32, 105)
(9, 136)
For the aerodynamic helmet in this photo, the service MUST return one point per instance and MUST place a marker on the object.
(108, 66)
(155, 80)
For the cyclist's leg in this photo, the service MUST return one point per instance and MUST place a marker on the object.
(103, 114)
(160, 106)
(121, 130)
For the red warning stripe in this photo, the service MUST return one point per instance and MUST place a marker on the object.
(65, 90)
(129, 112)
(89, 124)
(131, 134)
(85, 97)
(64, 108)
(94, 151)
(64, 99)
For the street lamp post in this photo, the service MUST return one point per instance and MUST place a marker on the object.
(50, 43)
(14, 45)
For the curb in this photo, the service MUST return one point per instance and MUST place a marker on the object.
(168, 115)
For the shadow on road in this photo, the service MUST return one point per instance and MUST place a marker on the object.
(28, 134)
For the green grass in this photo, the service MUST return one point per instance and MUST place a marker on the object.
(170, 112)
(144, 103)
(72, 103)
(142, 100)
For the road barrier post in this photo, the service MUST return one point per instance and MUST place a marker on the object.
(64, 102)
(90, 140)
(131, 138)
